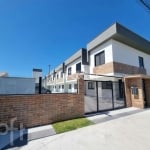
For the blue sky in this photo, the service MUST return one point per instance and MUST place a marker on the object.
(35, 33)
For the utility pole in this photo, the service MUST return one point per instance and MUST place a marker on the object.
(49, 66)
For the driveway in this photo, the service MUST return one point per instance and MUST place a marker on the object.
(127, 133)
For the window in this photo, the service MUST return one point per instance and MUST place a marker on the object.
(100, 58)
(106, 85)
(70, 86)
(57, 76)
(61, 74)
(75, 86)
(69, 71)
(141, 62)
(78, 67)
(121, 88)
(62, 86)
(134, 90)
(53, 77)
(90, 85)
(59, 86)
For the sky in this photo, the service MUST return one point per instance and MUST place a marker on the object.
(36, 33)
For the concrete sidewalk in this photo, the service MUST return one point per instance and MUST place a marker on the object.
(110, 115)
(126, 133)
(22, 137)
(44, 131)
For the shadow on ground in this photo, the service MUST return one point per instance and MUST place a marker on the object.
(13, 139)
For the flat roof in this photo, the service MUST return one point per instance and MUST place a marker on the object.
(37, 70)
(121, 34)
(72, 58)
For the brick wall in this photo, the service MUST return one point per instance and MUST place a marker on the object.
(116, 67)
(104, 69)
(36, 110)
(134, 100)
(127, 69)
(72, 76)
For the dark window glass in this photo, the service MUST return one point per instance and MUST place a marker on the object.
(78, 67)
(69, 71)
(90, 85)
(121, 88)
(57, 76)
(61, 74)
(141, 62)
(100, 58)
(69, 86)
(134, 90)
(106, 85)
(75, 86)
(62, 86)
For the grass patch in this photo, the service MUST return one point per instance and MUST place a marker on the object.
(69, 125)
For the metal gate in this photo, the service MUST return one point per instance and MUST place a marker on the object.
(103, 95)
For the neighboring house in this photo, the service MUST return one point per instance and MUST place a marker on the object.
(115, 52)
(17, 85)
(3, 74)
(37, 74)
(119, 51)
(64, 77)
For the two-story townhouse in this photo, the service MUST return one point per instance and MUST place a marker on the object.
(64, 77)
(118, 51)
(115, 52)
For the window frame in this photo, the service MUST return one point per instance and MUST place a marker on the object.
(141, 62)
(91, 85)
(69, 71)
(99, 55)
(57, 76)
(61, 75)
(107, 85)
(78, 71)
(75, 86)
(70, 86)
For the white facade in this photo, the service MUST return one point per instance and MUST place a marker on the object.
(112, 43)
(14, 85)
(36, 74)
(107, 48)
(128, 55)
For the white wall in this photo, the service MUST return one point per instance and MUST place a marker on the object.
(36, 75)
(73, 66)
(12, 85)
(124, 54)
(107, 47)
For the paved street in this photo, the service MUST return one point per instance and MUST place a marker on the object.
(126, 133)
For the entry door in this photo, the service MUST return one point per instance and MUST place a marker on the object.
(105, 95)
